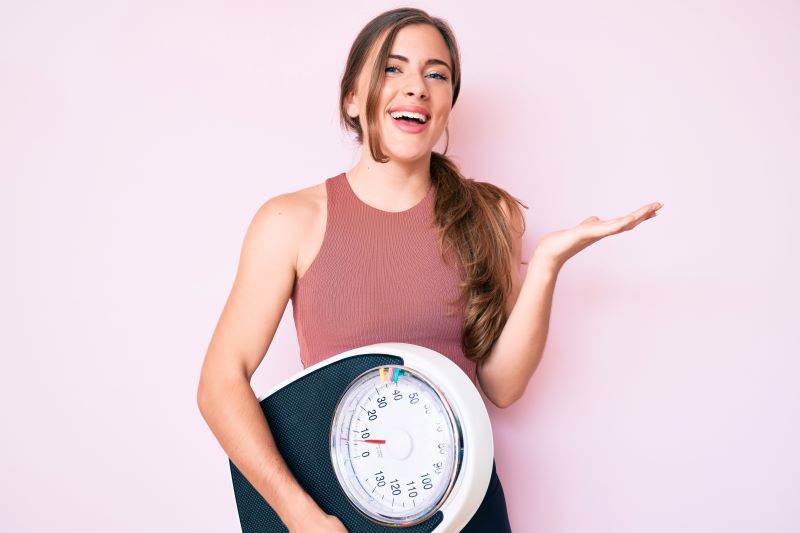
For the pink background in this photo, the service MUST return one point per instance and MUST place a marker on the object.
(137, 140)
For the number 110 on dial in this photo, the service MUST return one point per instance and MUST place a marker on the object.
(395, 445)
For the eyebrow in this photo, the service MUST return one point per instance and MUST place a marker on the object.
(428, 62)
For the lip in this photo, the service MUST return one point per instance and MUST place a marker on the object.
(410, 127)
(413, 109)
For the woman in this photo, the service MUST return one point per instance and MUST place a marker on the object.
(401, 247)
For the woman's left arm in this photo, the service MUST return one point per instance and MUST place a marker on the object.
(516, 353)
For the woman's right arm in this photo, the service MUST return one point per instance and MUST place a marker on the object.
(260, 293)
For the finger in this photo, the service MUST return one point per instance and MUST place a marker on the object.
(642, 211)
(609, 227)
(630, 217)
(620, 221)
(638, 221)
(624, 223)
(646, 209)
(653, 207)
(620, 224)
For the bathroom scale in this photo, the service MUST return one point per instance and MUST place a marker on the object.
(390, 436)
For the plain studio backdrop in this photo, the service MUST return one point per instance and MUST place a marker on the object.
(138, 139)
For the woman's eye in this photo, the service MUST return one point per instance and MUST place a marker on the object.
(440, 76)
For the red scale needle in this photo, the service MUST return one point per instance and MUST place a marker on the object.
(371, 441)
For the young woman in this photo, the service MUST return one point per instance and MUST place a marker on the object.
(401, 247)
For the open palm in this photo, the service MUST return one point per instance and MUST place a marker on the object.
(557, 247)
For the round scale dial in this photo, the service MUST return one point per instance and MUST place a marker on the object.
(395, 445)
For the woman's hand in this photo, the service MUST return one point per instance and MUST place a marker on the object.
(555, 248)
(319, 523)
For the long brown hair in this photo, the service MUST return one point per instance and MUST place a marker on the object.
(467, 213)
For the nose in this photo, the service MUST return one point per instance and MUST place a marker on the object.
(416, 86)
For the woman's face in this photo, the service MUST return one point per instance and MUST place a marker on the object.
(417, 75)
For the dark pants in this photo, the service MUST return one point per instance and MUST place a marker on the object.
(492, 515)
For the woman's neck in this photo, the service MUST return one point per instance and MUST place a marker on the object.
(390, 186)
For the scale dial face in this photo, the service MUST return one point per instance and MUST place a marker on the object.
(395, 445)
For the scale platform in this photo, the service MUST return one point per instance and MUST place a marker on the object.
(385, 437)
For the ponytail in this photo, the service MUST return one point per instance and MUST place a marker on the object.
(470, 218)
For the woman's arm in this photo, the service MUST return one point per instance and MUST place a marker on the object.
(505, 373)
(251, 315)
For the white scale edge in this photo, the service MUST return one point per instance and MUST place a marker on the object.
(468, 408)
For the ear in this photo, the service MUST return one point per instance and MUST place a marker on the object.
(352, 105)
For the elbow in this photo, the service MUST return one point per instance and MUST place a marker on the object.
(501, 396)
(205, 395)
(502, 404)
(214, 387)
(504, 401)
(202, 398)
(508, 399)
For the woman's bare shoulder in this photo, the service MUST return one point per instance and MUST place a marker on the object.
(297, 207)
(296, 218)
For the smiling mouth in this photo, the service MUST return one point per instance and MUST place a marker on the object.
(410, 113)
(411, 120)
(410, 125)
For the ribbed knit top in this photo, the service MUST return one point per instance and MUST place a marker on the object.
(378, 277)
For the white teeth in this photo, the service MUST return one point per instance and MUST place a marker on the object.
(419, 116)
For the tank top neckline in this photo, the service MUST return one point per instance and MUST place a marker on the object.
(411, 210)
